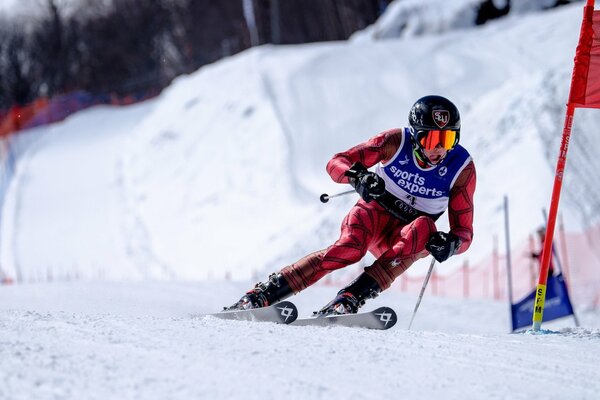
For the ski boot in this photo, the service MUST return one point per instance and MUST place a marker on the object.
(352, 297)
(264, 294)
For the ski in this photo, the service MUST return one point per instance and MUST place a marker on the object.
(283, 312)
(380, 318)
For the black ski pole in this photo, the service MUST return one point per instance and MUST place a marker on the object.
(325, 197)
(422, 291)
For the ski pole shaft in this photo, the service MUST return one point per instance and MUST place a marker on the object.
(422, 291)
(325, 197)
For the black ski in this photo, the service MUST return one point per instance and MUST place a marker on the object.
(283, 312)
(381, 318)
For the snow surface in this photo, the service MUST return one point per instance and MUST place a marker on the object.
(145, 209)
(139, 341)
(404, 18)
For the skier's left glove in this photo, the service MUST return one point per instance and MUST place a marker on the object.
(443, 245)
(369, 185)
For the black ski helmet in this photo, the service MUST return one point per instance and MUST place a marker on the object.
(432, 113)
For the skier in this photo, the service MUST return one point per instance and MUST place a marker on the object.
(421, 170)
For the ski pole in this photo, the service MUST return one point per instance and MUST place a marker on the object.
(325, 197)
(422, 291)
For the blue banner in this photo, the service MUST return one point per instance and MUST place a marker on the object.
(557, 304)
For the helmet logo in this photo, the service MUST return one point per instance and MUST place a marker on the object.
(441, 117)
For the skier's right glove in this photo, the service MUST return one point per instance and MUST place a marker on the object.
(367, 184)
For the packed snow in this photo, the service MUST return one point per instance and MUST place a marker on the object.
(140, 341)
(122, 223)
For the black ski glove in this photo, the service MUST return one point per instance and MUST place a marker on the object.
(442, 245)
(368, 185)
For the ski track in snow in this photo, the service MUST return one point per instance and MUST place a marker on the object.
(129, 341)
(108, 356)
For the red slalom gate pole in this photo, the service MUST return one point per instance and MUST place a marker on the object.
(540, 293)
(578, 97)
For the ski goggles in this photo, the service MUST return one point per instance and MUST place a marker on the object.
(430, 139)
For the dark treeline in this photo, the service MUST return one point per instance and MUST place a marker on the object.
(133, 46)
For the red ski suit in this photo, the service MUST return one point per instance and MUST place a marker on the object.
(369, 227)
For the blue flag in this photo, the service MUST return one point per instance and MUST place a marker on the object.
(557, 304)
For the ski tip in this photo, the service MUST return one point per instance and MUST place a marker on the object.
(387, 317)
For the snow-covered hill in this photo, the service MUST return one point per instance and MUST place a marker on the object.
(405, 18)
(221, 175)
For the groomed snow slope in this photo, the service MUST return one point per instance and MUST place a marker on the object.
(138, 341)
(221, 175)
